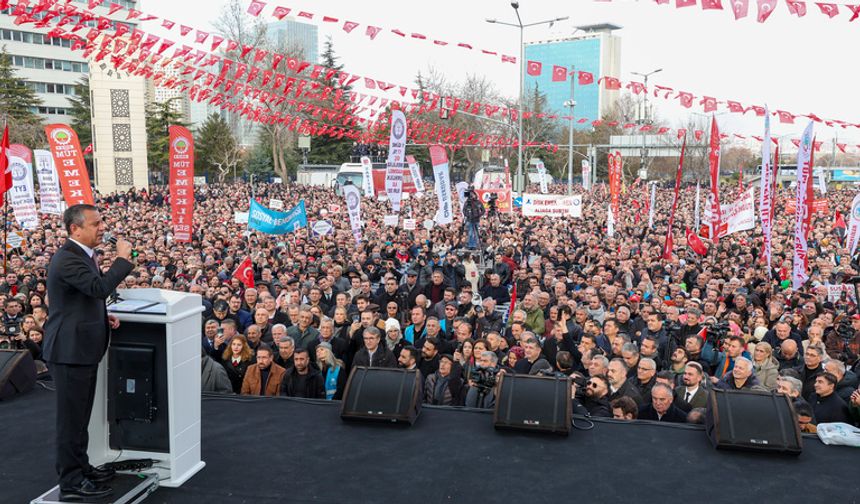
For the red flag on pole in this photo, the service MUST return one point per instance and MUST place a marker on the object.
(714, 198)
(667, 247)
(513, 300)
(839, 221)
(6, 180)
(695, 243)
(245, 273)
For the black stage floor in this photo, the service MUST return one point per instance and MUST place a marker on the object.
(287, 451)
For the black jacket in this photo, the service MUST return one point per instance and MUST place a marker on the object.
(597, 407)
(629, 390)
(314, 385)
(381, 358)
(807, 376)
(829, 409)
(236, 373)
(673, 414)
(77, 331)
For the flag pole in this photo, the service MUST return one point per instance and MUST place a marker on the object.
(5, 200)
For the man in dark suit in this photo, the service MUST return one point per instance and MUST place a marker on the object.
(692, 394)
(76, 338)
(661, 408)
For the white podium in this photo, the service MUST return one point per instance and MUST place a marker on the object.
(147, 401)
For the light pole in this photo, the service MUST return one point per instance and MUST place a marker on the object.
(644, 115)
(519, 24)
(570, 104)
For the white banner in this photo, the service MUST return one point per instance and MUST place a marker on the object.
(353, 207)
(396, 160)
(586, 175)
(50, 199)
(552, 205)
(22, 195)
(415, 171)
(610, 222)
(822, 184)
(854, 226)
(737, 216)
(276, 204)
(439, 159)
(804, 178)
(765, 199)
(651, 207)
(367, 176)
(391, 220)
(696, 220)
(541, 169)
(461, 194)
(409, 224)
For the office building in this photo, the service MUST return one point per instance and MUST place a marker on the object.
(594, 49)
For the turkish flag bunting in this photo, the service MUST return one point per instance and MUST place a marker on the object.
(610, 82)
(559, 73)
(759, 111)
(740, 8)
(184, 30)
(372, 31)
(216, 41)
(328, 19)
(855, 11)
(88, 149)
(709, 104)
(828, 9)
(712, 5)
(735, 107)
(636, 87)
(167, 23)
(506, 58)
(111, 11)
(533, 68)
(695, 243)
(682, 133)
(765, 9)
(699, 134)
(841, 147)
(398, 32)
(307, 15)
(663, 130)
(796, 7)
(202, 36)
(686, 99)
(245, 273)
(684, 3)
(785, 117)
(280, 12)
(256, 7)
(585, 78)
(348, 26)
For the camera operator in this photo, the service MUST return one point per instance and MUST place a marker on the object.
(482, 384)
(473, 210)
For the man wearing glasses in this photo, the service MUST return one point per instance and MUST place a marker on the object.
(374, 354)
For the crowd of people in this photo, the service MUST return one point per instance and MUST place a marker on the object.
(640, 336)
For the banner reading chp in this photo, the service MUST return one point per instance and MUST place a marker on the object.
(552, 205)
(181, 183)
(277, 223)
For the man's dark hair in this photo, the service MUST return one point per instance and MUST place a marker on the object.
(266, 348)
(451, 290)
(652, 339)
(230, 322)
(737, 339)
(602, 378)
(803, 408)
(626, 405)
(433, 341)
(12, 300)
(75, 215)
(830, 377)
(666, 375)
(299, 351)
(592, 337)
(413, 352)
(564, 361)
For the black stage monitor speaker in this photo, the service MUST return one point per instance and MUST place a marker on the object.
(17, 373)
(753, 421)
(385, 394)
(537, 403)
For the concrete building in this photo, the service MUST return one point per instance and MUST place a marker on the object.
(593, 48)
(49, 66)
(179, 101)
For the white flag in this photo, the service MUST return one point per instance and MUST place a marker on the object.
(396, 160)
(415, 171)
(541, 169)
(765, 189)
(651, 207)
(610, 222)
(586, 174)
(367, 176)
(49, 184)
(696, 212)
(854, 227)
(353, 208)
(439, 159)
(801, 224)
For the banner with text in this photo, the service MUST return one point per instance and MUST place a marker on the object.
(277, 223)
(396, 160)
(803, 214)
(353, 207)
(737, 216)
(181, 183)
(50, 199)
(854, 226)
(552, 205)
(69, 160)
(439, 159)
(503, 199)
(22, 195)
(415, 173)
(367, 176)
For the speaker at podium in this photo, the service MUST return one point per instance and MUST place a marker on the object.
(147, 402)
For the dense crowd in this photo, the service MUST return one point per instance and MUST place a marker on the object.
(641, 337)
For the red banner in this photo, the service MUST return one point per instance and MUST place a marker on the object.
(614, 167)
(71, 169)
(181, 183)
(714, 161)
(819, 206)
(503, 203)
(696, 244)
(667, 246)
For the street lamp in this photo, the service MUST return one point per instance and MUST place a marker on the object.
(570, 104)
(644, 116)
(519, 24)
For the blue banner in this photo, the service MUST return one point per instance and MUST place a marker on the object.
(277, 223)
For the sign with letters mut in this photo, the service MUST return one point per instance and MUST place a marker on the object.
(181, 183)
(69, 160)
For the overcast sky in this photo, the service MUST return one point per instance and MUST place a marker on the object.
(800, 65)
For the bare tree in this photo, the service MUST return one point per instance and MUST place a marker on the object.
(226, 160)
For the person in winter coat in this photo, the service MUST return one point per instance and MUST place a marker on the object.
(333, 371)
(375, 353)
(213, 376)
(445, 386)
(765, 365)
(236, 359)
(303, 380)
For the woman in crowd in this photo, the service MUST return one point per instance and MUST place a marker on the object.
(765, 365)
(236, 359)
(333, 371)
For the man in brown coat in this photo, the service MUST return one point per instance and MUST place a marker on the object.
(263, 378)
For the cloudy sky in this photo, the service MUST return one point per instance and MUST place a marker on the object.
(800, 65)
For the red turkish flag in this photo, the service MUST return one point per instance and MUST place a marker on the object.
(308, 15)
(88, 149)
(796, 7)
(684, 3)
(695, 243)
(712, 5)
(740, 8)
(533, 68)
(585, 78)
(372, 31)
(636, 87)
(765, 9)
(245, 273)
(839, 221)
(735, 107)
(610, 83)
(663, 130)
(201, 36)
(841, 147)
(699, 134)
(167, 23)
(855, 11)
(559, 73)
(280, 12)
(681, 133)
(348, 26)
(828, 9)
(759, 111)
(256, 7)
(686, 99)
(5, 182)
(709, 104)
(785, 117)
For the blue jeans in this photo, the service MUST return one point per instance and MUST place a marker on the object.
(472, 235)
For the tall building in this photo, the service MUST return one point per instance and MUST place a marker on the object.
(179, 100)
(49, 66)
(597, 51)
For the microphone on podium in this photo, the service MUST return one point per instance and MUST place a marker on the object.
(109, 238)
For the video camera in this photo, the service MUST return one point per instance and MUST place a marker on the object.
(717, 332)
(485, 378)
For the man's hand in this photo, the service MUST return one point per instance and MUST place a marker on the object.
(114, 322)
(123, 249)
